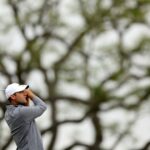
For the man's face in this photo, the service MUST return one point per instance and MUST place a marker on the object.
(21, 98)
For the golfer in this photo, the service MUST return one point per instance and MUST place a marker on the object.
(20, 117)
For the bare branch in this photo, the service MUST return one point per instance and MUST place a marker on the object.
(9, 140)
(125, 132)
(71, 99)
(75, 144)
(16, 17)
(65, 122)
(71, 48)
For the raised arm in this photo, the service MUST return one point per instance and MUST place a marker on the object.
(31, 112)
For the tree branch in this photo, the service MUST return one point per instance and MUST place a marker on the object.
(9, 140)
(71, 99)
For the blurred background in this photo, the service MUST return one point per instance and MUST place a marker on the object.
(89, 60)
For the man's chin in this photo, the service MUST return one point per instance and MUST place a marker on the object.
(25, 103)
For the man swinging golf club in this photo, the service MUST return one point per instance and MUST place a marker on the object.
(20, 116)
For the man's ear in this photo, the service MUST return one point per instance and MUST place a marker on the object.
(12, 97)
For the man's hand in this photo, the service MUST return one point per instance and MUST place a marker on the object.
(29, 93)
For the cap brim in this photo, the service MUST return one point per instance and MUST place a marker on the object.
(22, 88)
(27, 87)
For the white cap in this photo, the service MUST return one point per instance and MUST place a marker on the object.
(13, 88)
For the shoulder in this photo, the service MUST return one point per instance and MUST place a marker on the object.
(12, 112)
